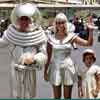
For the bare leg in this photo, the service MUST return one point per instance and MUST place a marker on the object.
(57, 91)
(67, 91)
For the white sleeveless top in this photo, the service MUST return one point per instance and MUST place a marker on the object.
(61, 51)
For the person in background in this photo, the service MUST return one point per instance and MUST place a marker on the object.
(3, 25)
(60, 68)
(26, 41)
(79, 26)
(97, 23)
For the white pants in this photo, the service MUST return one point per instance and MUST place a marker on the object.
(23, 83)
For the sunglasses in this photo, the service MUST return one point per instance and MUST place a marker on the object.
(24, 18)
(63, 22)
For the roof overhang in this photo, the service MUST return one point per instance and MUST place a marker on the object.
(11, 5)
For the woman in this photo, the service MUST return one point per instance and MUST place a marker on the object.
(61, 70)
(25, 40)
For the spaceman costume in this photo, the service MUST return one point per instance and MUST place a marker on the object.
(22, 44)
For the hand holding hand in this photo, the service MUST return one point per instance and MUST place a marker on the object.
(94, 92)
(27, 58)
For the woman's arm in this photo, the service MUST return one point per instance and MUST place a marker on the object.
(49, 54)
(83, 42)
(89, 41)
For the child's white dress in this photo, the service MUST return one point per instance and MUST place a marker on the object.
(88, 80)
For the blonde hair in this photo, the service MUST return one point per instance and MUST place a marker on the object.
(68, 26)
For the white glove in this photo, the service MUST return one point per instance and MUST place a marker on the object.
(40, 59)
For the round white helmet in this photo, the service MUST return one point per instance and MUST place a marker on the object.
(26, 9)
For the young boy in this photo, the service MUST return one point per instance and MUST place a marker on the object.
(89, 78)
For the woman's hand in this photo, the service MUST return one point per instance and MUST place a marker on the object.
(45, 75)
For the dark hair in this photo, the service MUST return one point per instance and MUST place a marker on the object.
(84, 55)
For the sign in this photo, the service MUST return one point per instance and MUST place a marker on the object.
(90, 2)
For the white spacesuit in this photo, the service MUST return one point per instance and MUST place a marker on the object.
(22, 46)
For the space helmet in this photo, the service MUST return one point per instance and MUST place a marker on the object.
(29, 10)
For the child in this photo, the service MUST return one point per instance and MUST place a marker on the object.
(89, 79)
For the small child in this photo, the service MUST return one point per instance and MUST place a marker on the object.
(89, 77)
